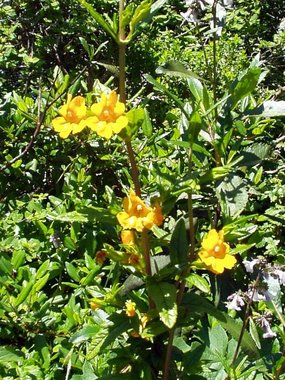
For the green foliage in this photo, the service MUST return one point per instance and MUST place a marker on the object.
(205, 135)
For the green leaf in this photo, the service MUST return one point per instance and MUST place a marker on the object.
(200, 282)
(176, 69)
(253, 154)
(136, 118)
(195, 126)
(140, 14)
(26, 290)
(215, 174)
(84, 334)
(164, 296)
(18, 258)
(245, 85)
(254, 333)
(196, 89)
(269, 108)
(86, 280)
(164, 90)
(99, 19)
(72, 271)
(40, 283)
(196, 304)
(88, 373)
(218, 340)
(68, 217)
(69, 243)
(147, 125)
(5, 266)
(8, 354)
(98, 213)
(179, 247)
(233, 195)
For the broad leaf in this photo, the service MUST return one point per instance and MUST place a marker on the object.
(84, 334)
(245, 85)
(233, 195)
(199, 305)
(164, 296)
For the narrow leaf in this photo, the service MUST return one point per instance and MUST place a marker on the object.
(98, 18)
(176, 69)
(179, 247)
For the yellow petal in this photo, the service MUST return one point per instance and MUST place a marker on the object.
(120, 123)
(91, 122)
(103, 130)
(119, 108)
(229, 261)
(76, 128)
(97, 108)
(211, 239)
(58, 123)
(65, 131)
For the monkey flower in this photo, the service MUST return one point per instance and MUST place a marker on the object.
(128, 237)
(137, 215)
(130, 308)
(108, 116)
(73, 117)
(215, 252)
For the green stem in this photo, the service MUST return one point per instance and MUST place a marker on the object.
(215, 76)
(134, 167)
(182, 284)
(190, 212)
(245, 321)
(122, 56)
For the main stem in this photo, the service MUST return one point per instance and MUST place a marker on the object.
(182, 284)
(134, 167)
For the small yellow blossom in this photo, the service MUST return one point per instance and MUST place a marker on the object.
(137, 215)
(73, 117)
(130, 308)
(94, 305)
(128, 237)
(108, 116)
(215, 252)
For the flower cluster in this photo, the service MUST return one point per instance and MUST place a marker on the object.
(106, 117)
(214, 252)
(137, 215)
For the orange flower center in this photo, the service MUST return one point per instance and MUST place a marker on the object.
(71, 117)
(108, 115)
(217, 248)
(139, 208)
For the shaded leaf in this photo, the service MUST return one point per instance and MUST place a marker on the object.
(269, 108)
(179, 247)
(84, 334)
(164, 297)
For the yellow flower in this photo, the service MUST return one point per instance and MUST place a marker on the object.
(137, 215)
(128, 237)
(215, 252)
(108, 116)
(73, 117)
(130, 308)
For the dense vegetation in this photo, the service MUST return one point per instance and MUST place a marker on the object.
(150, 245)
